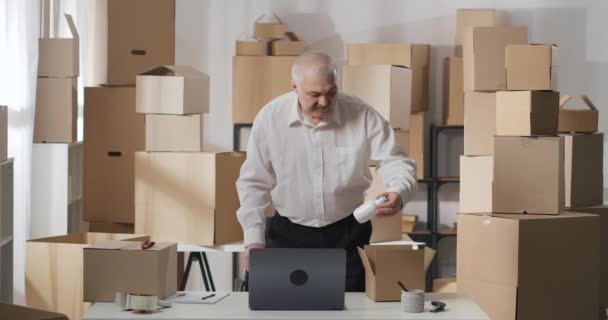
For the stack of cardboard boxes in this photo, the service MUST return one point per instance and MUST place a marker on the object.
(127, 43)
(514, 239)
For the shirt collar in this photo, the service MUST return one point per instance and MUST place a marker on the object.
(295, 116)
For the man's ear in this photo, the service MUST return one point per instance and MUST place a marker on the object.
(293, 86)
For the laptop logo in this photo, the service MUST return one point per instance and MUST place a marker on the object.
(298, 277)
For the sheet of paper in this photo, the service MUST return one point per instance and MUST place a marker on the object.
(196, 297)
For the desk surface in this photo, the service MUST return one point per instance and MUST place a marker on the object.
(358, 306)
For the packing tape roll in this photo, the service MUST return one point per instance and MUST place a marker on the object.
(131, 301)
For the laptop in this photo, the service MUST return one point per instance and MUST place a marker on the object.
(297, 279)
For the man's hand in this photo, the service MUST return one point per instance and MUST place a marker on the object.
(247, 250)
(391, 207)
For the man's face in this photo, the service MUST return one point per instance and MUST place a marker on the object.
(316, 96)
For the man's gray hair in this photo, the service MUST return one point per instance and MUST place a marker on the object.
(320, 62)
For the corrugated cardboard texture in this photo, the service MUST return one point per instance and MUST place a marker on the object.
(109, 227)
(387, 88)
(417, 142)
(172, 90)
(56, 110)
(384, 228)
(484, 56)
(527, 113)
(479, 123)
(174, 132)
(3, 133)
(251, 48)
(477, 18)
(59, 57)
(255, 82)
(453, 103)
(578, 120)
(583, 164)
(476, 174)
(54, 269)
(528, 175)
(189, 198)
(140, 36)
(112, 134)
(152, 271)
(11, 311)
(413, 56)
(515, 266)
(531, 67)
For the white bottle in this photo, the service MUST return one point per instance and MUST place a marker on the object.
(367, 210)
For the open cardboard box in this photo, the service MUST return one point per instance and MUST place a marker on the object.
(578, 120)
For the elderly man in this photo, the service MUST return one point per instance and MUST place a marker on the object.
(308, 154)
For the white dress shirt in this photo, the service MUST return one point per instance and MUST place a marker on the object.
(316, 175)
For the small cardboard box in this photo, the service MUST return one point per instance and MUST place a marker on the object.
(384, 228)
(476, 174)
(174, 132)
(59, 57)
(527, 113)
(3, 133)
(578, 120)
(528, 175)
(418, 137)
(290, 46)
(268, 27)
(479, 123)
(384, 87)
(525, 266)
(56, 110)
(255, 82)
(11, 311)
(583, 164)
(445, 285)
(188, 197)
(385, 265)
(466, 18)
(251, 48)
(172, 90)
(531, 67)
(413, 56)
(484, 56)
(453, 94)
(122, 266)
(110, 227)
(54, 271)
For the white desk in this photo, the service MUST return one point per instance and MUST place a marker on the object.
(358, 306)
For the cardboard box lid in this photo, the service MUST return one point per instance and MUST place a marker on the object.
(127, 245)
(174, 71)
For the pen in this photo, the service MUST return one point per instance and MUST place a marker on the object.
(209, 296)
(402, 286)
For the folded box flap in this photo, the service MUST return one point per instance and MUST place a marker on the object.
(429, 254)
(291, 36)
(72, 26)
(586, 100)
(268, 18)
(365, 260)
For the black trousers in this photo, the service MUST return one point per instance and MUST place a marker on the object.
(346, 233)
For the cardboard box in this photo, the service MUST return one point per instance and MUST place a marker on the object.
(150, 271)
(172, 90)
(189, 198)
(174, 132)
(528, 175)
(484, 56)
(402, 137)
(413, 56)
(602, 212)
(56, 110)
(3, 133)
(384, 87)
(110, 227)
(385, 265)
(112, 134)
(54, 271)
(290, 46)
(408, 223)
(527, 113)
(453, 94)
(531, 67)
(384, 228)
(476, 173)
(262, 29)
(251, 48)
(445, 285)
(11, 311)
(515, 266)
(130, 37)
(583, 164)
(59, 57)
(578, 120)
(417, 143)
(479, 123)
(255, 82)
(466, 18)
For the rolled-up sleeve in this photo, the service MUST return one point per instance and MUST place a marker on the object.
(255, 182)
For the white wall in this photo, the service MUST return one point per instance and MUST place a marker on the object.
(206, 31)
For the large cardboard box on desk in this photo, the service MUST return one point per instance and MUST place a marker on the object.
(466, 18)
(476, 173)
(578, 120)
(122, 266)
(54, 271)
(56, 110)
(484, 56)
(59, 57)
(384, 228)
(173, 90)
(113, 131)
(413, 56)
(528, 175)
(387, 88)
(188, 197)
(166, 132)
(527, 113)
(520, 267)
(11, 311)
(130, 38)
(256, 81)
(453, 94)
(479, 123)
(583, 164)
(385, 265)
(531, 67)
